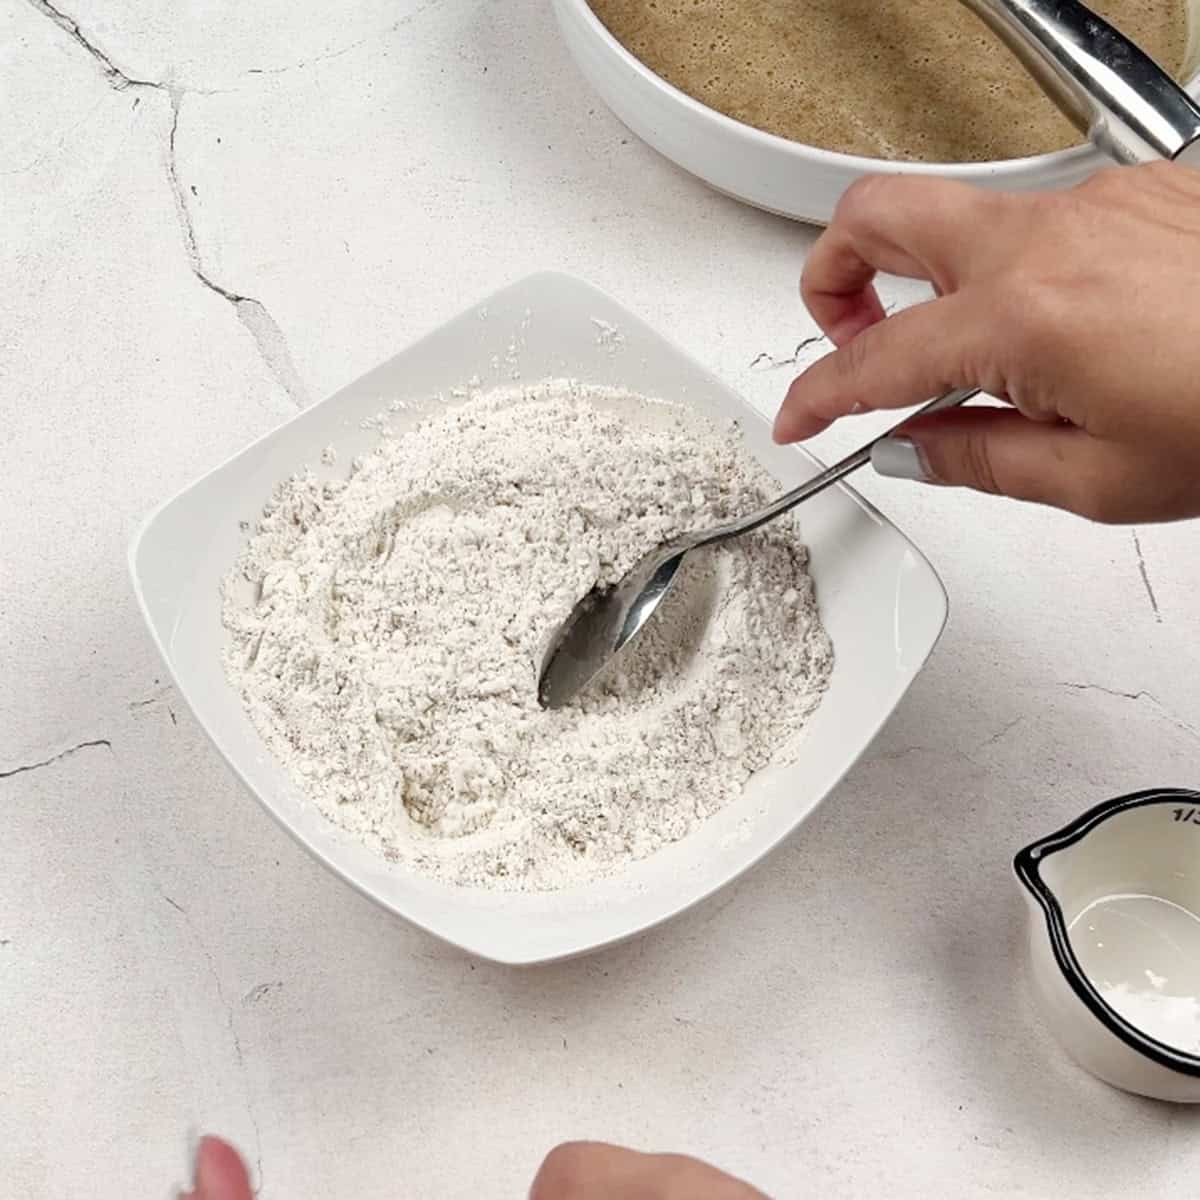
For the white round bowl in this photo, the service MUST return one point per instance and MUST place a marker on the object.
(770, 172)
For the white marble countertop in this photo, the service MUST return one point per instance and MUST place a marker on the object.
(213, 214)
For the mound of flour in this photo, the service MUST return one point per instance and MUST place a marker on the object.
(386, 633)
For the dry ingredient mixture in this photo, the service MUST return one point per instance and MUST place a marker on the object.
(387, 629)
(922, 80)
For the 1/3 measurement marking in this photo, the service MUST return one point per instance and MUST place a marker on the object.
(1190, 816)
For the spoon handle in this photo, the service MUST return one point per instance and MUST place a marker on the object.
(830, 475)
(1112, 91)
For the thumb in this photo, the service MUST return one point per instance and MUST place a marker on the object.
(220, 1173)
(999, 451)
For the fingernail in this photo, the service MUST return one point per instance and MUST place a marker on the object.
(858, 409)
(847, 330)
(901, 458)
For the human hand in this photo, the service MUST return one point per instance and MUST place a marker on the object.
(577, 1171)
(218, 1173)
(1079, 308)
(593, 1171)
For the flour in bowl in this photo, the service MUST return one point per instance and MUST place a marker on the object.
(387, 630)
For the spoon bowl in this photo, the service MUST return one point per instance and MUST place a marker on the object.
(605, 621)
(609, 618)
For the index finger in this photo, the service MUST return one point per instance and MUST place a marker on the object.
(903, 225)
(911, 357)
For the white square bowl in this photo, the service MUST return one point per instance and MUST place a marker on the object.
(882, 603)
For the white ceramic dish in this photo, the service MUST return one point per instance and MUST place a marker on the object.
(770, 172)
(882, 604)
(1114, 902)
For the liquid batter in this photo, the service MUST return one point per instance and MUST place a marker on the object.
(920, 80)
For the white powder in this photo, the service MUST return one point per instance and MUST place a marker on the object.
(386, 634)
(608, 335)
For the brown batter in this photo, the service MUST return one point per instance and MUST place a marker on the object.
(899, 79)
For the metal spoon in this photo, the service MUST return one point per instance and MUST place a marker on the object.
(1115, 93)
(606, 620)
(1107, 86)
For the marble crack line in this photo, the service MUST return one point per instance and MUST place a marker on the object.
(253, 314)
(261, 990)
(342, 51)
(230, 1025)
(152, 701)
(155, 697)
(310, 62)
(1095, 687)
(940, 752)
(54, 758)
(410, 17)
(961, 756)
(1145, 574)
(765, 361)
(1136, 697)
(1000, 734)
(116, 77)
